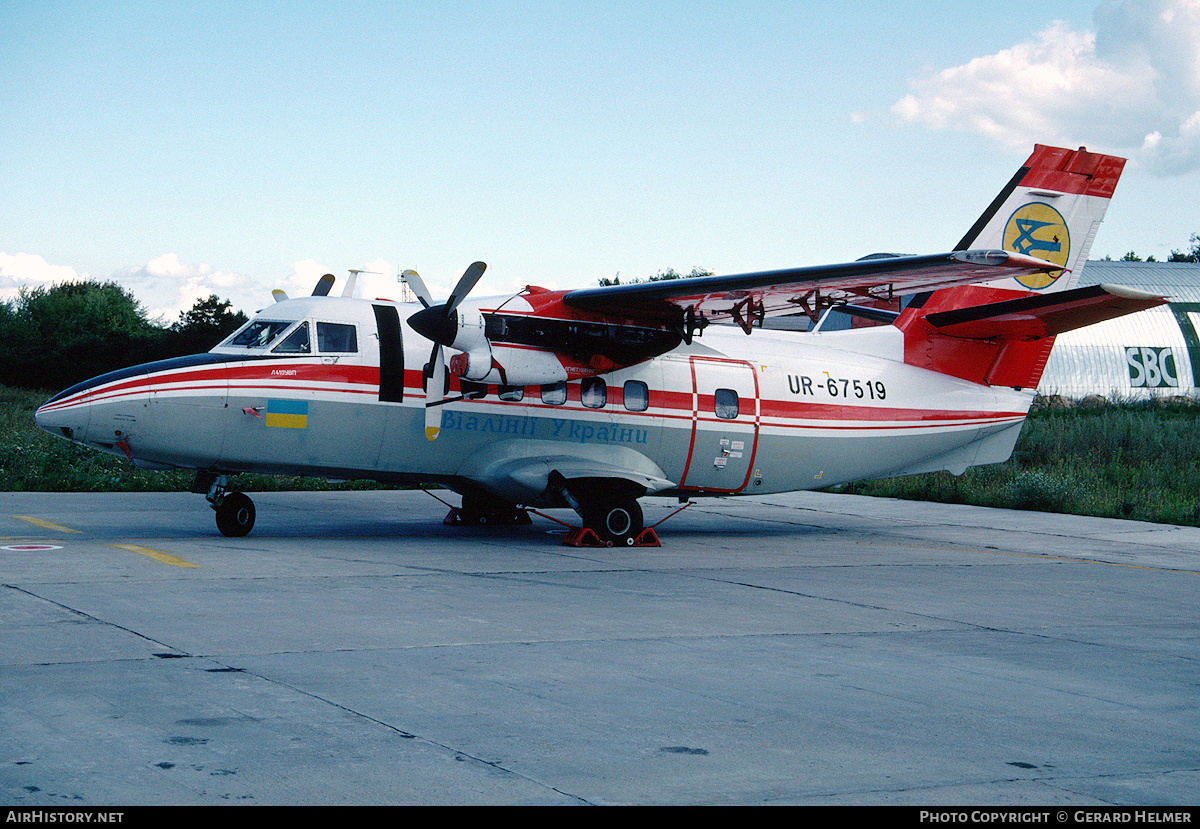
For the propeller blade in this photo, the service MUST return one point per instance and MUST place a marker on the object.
(465, 283)
(348, 291)
(438, 323)
(324, 285)
(414, 281)
(435, 393)
(279, 294)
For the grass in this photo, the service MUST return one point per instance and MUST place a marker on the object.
(1108, 459)
(1104, 458)
(33, 461)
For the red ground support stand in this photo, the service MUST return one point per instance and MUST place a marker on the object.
(583, 537)
(647, 538)
(579, 536)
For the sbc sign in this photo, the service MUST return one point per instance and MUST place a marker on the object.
(1151, 368)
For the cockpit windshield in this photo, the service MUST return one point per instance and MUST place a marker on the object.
(259, 333)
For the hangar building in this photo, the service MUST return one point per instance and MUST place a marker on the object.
(1153, 353)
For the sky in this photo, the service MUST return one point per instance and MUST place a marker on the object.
(185, 149)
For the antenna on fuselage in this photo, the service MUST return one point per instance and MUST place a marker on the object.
(348, 291)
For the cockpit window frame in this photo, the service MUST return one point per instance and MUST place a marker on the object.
(329, 333)
(294, 348)
(275, 328)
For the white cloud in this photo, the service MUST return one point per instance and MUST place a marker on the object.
(166, 287)
(26, 270)
(1132, 83)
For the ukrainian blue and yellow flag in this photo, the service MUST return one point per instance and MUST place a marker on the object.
(287, 414)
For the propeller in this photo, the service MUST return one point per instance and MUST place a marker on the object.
(414, 281)
(439, 323)
(323, 285)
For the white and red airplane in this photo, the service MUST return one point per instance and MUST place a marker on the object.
(594, 398)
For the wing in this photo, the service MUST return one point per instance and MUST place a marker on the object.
(1049, 209)
(748, 298)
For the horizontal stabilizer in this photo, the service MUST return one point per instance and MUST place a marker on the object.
(972, 333)
(1043, 315)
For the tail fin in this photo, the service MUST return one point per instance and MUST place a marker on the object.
(1000, 333)
(1051, 209)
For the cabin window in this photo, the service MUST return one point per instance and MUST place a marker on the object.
(637, 396)
(337, 338)
(593, 392)
(511, 394)
(295, 342)
(554, 394)
(259, 333)
(725, 404)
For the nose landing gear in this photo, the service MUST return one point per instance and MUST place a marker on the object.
(235, 510)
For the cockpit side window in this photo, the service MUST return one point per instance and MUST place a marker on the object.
(337, 338)
(295, 342)
(259, 333)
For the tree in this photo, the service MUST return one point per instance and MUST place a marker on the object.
(52, 338)
(57, 336)
(205, 324)
(660, 276)
(1192, 255)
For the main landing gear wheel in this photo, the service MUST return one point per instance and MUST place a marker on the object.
(235, 515)
(619, 523)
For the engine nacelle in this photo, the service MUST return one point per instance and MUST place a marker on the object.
(507, 366)
(469, 336)
(473, 365)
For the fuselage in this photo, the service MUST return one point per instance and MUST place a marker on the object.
(334, 387)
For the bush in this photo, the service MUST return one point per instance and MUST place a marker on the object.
(1037, 490)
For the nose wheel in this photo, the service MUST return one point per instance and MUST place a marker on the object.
(235, 515)
(235, 510)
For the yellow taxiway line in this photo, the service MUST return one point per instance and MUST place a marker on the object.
(157, 555)
(44, 524)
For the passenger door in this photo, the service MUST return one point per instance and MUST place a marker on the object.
(725, 420)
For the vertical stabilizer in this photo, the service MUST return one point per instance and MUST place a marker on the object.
(1050, 209)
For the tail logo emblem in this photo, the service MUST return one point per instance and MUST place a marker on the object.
(1039, 230)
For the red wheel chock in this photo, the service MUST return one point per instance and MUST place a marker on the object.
(584, 537)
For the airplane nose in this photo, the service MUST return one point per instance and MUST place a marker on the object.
(44, 419)
(61, 420)
(52, 420)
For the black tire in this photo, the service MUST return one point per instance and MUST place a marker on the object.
(235, 516)
(618, 523)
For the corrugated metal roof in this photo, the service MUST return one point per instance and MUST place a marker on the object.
(1179, 280)
(1151, 353)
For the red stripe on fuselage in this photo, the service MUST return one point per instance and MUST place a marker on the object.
(247, 378)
